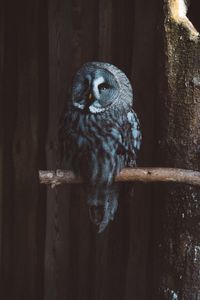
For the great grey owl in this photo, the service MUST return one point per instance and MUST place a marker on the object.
(100, 135)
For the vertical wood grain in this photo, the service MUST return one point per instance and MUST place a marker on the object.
(144, 76)
(2, 32)
(23, 209)
(57, 223)
(105, 30)
(9, 121)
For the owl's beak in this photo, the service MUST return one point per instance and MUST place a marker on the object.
(90, 96)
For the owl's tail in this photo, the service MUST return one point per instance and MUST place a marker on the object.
(103, 202)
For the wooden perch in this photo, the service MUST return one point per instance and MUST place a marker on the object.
(133, 174)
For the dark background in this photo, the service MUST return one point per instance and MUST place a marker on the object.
(48, 247)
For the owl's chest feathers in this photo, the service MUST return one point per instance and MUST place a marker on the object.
(95, 141)
(92, 132)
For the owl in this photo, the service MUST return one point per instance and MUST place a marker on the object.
(100, 135)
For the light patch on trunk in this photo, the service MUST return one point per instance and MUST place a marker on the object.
(178, 11)
(182, 8)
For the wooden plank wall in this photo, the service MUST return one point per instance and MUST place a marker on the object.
(49, 249)
(24, 66)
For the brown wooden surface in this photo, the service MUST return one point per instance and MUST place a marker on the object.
(23, 98)
(1, 122)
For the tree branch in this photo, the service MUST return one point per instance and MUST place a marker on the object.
(132, 174)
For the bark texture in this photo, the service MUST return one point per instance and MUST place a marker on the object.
(177, 220)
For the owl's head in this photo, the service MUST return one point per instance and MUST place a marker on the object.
(97, 86)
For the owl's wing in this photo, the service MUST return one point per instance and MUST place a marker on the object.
(134, 137)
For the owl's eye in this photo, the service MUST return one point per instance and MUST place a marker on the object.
(103, 86)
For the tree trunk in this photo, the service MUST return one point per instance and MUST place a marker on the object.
(177, 218)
